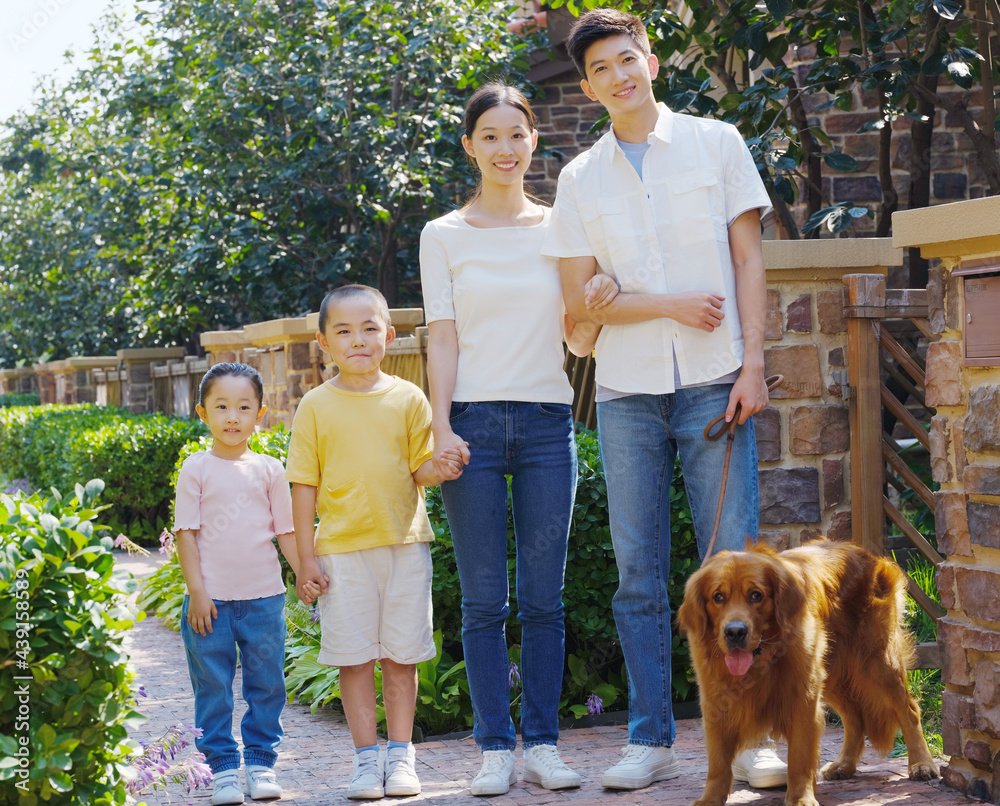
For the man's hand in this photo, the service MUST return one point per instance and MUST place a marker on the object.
(749, 392)
(201, 611)
(700, 309)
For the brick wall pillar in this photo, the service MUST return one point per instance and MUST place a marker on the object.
(281, 355)
(965, 461)
(803, 436)
(136, 378)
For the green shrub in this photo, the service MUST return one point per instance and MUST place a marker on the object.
(19, 399)
(63, 623)
(53, 446)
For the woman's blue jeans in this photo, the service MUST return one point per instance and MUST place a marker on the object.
(640, 437)
(534, 444)
(257, 627)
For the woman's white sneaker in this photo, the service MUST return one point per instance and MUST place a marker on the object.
(543, 766)
(497, 773)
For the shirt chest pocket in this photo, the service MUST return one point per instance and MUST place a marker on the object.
(349, 509)
(695, 206)
(612, 234)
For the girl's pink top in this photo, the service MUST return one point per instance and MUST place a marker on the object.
(237, 507)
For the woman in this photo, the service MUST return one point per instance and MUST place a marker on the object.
(499, 396)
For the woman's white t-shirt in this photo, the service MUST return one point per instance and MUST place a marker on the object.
(507, 304)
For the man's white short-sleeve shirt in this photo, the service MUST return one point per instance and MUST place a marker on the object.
(664, 234)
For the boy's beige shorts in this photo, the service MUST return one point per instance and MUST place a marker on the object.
(378, 605)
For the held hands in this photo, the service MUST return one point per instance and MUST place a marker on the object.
(451, 455)
(750, 393)
(700, 309)
(201, 611)
(310, 582)
(452, 464)
(599, 291)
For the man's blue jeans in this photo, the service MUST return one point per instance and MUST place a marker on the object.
(533, 443)
(257, 627)
(640, 437)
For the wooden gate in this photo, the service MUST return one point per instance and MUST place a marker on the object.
(877, 359)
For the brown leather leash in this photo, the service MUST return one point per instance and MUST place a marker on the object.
(773, 382)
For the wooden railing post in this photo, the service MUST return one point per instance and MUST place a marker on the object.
(865, 306)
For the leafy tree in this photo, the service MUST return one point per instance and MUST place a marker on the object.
(216, 164)
(735, 59)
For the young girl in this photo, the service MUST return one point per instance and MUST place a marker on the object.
(230, 503)
(500, 398)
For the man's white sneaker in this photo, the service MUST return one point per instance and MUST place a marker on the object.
(366, 781)
(497, 774)
(400, 772)
(640, 766)
(760, 766)
(226, 788)
(542, 765)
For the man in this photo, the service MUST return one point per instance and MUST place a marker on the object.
(670, 206)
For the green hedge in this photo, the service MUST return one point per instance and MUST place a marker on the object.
(62, 729)
(19, 399)
(594, 661)
(54, 446)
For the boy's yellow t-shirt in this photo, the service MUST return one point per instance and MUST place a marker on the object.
(359, 449)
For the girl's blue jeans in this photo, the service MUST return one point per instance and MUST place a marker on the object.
(640, 437)
(534, 444)
(257, 627)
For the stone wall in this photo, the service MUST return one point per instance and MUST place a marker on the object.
(803, 437)
(965, 455)
(20, 379)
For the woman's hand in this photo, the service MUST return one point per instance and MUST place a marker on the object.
(599, 291)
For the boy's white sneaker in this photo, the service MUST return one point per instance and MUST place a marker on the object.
(226, 788)
(640, 766)
(366, 780)
(760, 766)
(400, 771)
(497, 773)
(542, 765)
(261, 782)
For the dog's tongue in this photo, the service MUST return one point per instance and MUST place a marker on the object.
(739, 661)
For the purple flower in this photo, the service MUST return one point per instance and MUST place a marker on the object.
(514, 676)
(142, 691)
(595, 705)
(166, 542)
(18, 486)
(314, 615)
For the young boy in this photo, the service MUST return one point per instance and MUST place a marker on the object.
(361, 454)
(669, 205)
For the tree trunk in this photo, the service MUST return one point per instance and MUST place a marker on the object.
(890, 198)
(921, 132)
(388, 277)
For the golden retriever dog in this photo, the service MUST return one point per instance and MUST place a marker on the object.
(774, 637)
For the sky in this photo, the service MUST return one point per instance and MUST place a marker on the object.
(34, 35)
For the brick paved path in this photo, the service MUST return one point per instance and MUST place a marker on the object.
(314, 761)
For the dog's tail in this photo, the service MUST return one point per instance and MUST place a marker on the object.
(898, 651)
